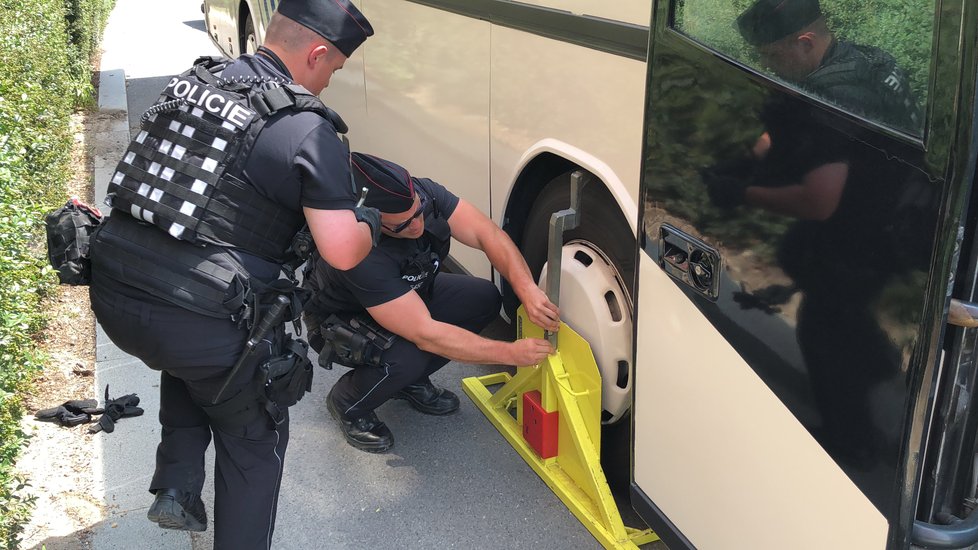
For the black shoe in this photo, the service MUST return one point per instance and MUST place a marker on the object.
(429, 399)
(366, 432)
(174, 509)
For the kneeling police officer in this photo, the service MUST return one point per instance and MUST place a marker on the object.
(228, 166)
(396, 319)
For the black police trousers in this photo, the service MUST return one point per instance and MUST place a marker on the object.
(462, 300)
(194, 354)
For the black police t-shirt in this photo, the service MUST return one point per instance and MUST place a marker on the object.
(395, 266)
(298, 160)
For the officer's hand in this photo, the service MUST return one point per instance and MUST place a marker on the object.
(302, 244)
(726, 181)
(725, 192)
(529, 351)
(371, 217)
(541, 311)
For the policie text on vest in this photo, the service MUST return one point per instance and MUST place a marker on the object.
(211, 100)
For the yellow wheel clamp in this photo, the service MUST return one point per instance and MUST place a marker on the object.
(557, 425)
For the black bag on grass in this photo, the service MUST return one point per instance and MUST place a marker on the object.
(69, 231)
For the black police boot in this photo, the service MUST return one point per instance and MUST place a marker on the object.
(174, 509)
(366, 432)
(428, 398)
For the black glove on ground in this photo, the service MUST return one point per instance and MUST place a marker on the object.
(62, 416)
(70, 413)
(120, 407)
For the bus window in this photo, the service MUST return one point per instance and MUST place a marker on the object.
(871, 63)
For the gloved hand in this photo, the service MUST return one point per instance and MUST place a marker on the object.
(371, 217)
(725, 192)
(70, 413)
(302, 244)
(727, 181)
(120, 407)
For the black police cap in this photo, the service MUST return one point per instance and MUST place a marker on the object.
(338, 21)
(390, 188)
(768, 21)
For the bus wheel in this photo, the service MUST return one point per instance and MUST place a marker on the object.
(249, 41)
(596, 273)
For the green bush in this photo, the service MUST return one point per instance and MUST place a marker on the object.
(39, 87)
(85, 22)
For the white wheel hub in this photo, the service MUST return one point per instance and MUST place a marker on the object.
(593, 302)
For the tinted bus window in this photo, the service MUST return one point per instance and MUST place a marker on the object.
(871, 59)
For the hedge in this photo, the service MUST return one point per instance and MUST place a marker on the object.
(46, 53)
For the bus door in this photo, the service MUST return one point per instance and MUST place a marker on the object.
(793, 266)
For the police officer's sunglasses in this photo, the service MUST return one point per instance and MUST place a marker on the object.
(404, 225)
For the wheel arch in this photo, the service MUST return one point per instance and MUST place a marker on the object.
(548, 159)
(539, 165)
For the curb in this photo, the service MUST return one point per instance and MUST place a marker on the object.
(113, 135)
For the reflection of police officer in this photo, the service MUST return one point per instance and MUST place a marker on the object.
(793, 39)
(297, 170)
(434, 316)
(837, 253)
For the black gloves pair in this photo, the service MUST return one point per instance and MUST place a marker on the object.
(80, 411)
(120, 407)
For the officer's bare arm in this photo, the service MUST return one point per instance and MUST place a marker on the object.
(473, 228)
(341, 240)
(407, 316)
(815, 198)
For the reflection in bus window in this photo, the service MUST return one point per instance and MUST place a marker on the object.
(851, 54)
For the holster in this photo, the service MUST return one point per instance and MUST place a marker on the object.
(279, 382)
(357, 342)
(284, 379)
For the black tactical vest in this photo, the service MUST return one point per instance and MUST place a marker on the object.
(182, 174)
(183, 171)
(867, 81)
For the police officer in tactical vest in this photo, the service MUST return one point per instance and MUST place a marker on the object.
(396, 318)
(187, 272)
